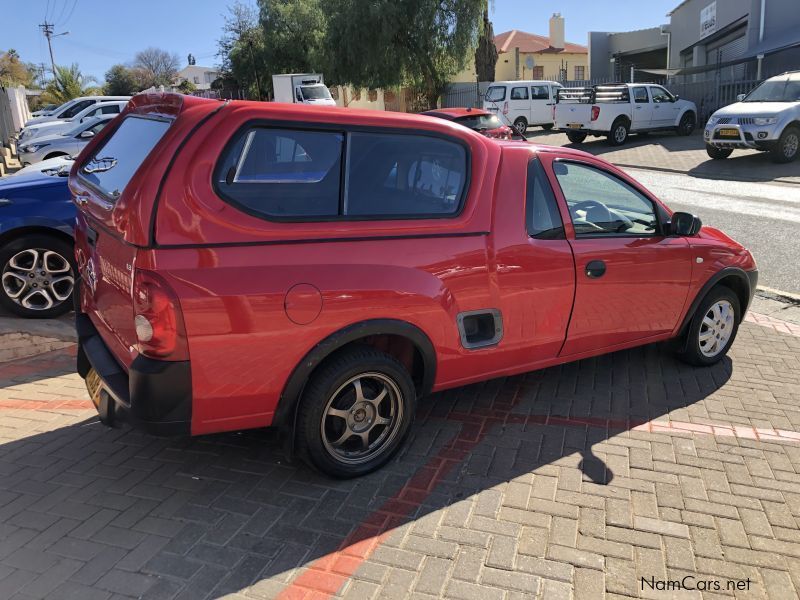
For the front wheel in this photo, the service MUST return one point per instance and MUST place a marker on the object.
(38, 275)
(713, 328)
(687, 124)
(619, 133)
(718, 153)
(576, 137)
(355, 412)
(786, 149)
(521, 125)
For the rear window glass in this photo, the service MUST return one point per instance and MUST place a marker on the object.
(113, 165)
(403, 175)
(480, 122)
(284, 173)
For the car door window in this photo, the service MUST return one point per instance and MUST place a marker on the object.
(600, 204)
(110, 110)
(640, 95)
(542, 218)
(97, 128)
(519, 93)
(660, 95)
(540, 92)
(75, 109)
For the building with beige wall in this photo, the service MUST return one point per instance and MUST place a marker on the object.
(523, 55)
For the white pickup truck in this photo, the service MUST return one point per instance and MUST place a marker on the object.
(615, 110)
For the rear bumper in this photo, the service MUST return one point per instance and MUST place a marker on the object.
(153, 395)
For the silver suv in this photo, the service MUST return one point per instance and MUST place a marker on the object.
(768, 118)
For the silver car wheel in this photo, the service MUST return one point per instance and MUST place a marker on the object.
(38, 279)
(620, 134)
(716, 328)
(361, 418)
(790, 145)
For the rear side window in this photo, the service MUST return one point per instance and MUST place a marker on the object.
(541, 211)
(75, 109)
(403, 175)
(540, 92)
(496, 93)
(284, 173)
(640, 95)
(113, 164)
(519, 93)
(307, 175)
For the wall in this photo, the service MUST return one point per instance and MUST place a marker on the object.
(551, 63)
(604, 45)
(685, 24)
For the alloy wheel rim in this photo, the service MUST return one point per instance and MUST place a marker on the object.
(361, 418)
(619, 134)
(790, 145)
(37, 279)
(520, 126)
(688, 125)
(716, 328)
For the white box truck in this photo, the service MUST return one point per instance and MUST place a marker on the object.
(302, 88)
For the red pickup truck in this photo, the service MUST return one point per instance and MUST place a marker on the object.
(247, 264)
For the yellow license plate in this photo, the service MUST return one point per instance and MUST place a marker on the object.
(729, 133)
(93, 385)
(574, 125)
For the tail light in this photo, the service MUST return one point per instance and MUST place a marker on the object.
(595, 113)
(505, 108)
(160, 332)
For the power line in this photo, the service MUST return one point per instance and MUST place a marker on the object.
(63, 10)
(72, 10)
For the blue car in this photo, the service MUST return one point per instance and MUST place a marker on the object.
(37, 264)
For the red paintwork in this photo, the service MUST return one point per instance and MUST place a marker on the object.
(252, 312)
(504, 132)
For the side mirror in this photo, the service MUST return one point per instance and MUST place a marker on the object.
(675, 98)
(740, 97)
(86, 134)
(684, 224)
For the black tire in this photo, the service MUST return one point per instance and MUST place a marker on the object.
(521, 125)
(718, 153)
(55, 155)
(547, 126)
(693, 350)
(11, 278)
(687, 124)
(576, 137)
(788, 146)
(331, 386)
(619, 132)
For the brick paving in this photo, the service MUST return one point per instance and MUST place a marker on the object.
(670, 152)
(571, 482)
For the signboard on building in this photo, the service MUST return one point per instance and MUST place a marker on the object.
(708, 19)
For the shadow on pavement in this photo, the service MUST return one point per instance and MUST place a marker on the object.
(212, 515)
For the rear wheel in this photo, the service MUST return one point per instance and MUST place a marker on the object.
(619, 133)
(521, 125)
(713, 328)
(355, 412)
(718, 153)
(687, 124)
(38, 275)
(576, 137)
(547, 126)
(786, 149)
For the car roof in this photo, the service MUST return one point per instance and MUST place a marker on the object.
(526, 82)
(456, 112)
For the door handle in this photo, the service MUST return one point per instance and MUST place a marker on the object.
(82, 199)
(595, 269)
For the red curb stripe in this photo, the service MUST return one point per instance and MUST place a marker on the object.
(778, 325)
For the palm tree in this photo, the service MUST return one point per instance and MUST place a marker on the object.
(67, 84)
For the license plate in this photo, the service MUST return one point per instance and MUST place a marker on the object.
(93, 385)
(574, 125)
(729, 133)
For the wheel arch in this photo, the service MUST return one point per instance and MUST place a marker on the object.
(731, 277)
(55, 154)
(393, 336)
(18, 232)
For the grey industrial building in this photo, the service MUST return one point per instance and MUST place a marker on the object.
(722, 40)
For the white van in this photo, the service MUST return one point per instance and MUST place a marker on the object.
(520, 104)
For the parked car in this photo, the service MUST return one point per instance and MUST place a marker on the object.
(59, 165)
(72, 107)
(767, 119)
(37, 265)
(28, 134)
(302, 88)
(615, 110)
(476, 119)
(68, 143)
(44, 111)
(240, 268)
(522, 104)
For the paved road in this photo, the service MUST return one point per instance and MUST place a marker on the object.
(762, 216)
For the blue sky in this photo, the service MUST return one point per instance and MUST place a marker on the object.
(106, 32)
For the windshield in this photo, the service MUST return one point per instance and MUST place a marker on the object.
(479, 122)
(496, 94)
(782, 90)
(315, 92)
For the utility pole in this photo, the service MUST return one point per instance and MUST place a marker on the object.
(47, 30)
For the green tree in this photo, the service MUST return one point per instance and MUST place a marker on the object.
(186, 87)
(383, 43)
(120, 81)
(295, 35)
(67, 84)
(13, 71)
(240, 50)
(486, 52)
